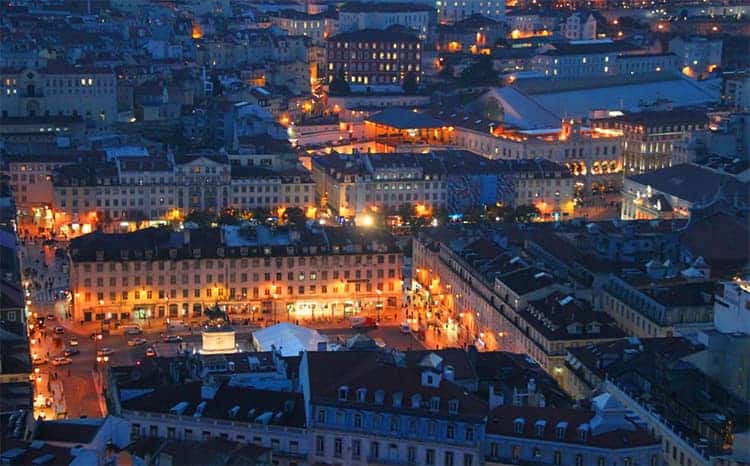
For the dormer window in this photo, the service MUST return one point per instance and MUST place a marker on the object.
(379, 397)
(518, 425)
(583, 431)
(453, 407)
(435, 403)
(361, 395)
(560, 430)
(416, 400)
(397, 399)
(343, 393)
(539, 428)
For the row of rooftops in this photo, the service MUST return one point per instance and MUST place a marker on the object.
(425, 384)
(229, 241)
(436, 164)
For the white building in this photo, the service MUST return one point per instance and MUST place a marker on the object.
(451, 11)
(370, 15)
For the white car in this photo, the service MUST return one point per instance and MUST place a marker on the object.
(61, 361)
(137, 342)
(37, 360)
(105, 352)
(73, 341)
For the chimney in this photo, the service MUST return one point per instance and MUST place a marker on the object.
(496, 399)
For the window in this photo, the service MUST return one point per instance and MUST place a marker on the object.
(655, 460)
(429, 457)
(170, 432)
(320, 445)
(411, 454)
(448, 461)
(557, 458)
(337, 447)
(153, 431)
(468, 459)
(322, 416)
(358, 421)
(627, 461)
(579, 460)
(135, 431)
(450, 431)
(356, 449)
(374, 450)
(494, 450)
(602, 461)
(469, 433)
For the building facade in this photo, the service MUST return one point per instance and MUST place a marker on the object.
(298, 274)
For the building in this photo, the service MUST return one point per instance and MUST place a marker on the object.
(317, 27)
(374, 57)
(131, 191)
(593, 157)
(297, 274)
(353, 184)
(676, 191)
(697, 55)
(579, 26)
(60, 90)
(693, 417)
(648, 308)
(453, 12)
(576, 59)
(560, 436)
(649, 136)
(366, 407)
(355, 16)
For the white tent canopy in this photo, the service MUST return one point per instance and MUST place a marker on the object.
(290, 339)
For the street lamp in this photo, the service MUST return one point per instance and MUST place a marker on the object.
(379, 303)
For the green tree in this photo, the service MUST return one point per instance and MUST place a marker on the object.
(294, 216)
(526, 213)
(410, 84)
(338, 85)
(229, 217)
(481, 72)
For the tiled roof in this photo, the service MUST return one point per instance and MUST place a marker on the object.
(500, 422)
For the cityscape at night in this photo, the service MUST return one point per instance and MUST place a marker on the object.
(375, 232)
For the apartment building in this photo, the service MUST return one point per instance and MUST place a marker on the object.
(558, 436)
(352, 184)
(652, 309)
(354, 16)
(577, 59)
(593, 157)
(60, 90)
(369, 410)
(648, 136)
(128, 191)
(317, 27)
(697, 55)
(449, 12)
(280, 274)
(374, 57)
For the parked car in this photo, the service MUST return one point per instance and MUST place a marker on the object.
(104, 351)
(150, 353)
(38, 360)
(61, 361)
(172, 338)
(137, 342)
(405, 328)
(96, 336)
(70, 352)
(132, 330)
(363, 322)
(73, 341)
(59, 330)
(50, 317)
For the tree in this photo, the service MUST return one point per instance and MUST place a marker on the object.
(410, 84)
(200, 217)
(294, 216)
(229, 217)
(526, 213)
(338, 85)
(481, 72)
(447, 72)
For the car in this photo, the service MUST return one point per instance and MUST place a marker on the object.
(38, 360)
(67, 352)
(104, 351)
(405, 327)
(136, 342)
(172, 338)
(133, 330)
(363, 323)
(150, 353)
(50, 317)
(96, 336)
(59, 330)
(61, 361)
(73, 341)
